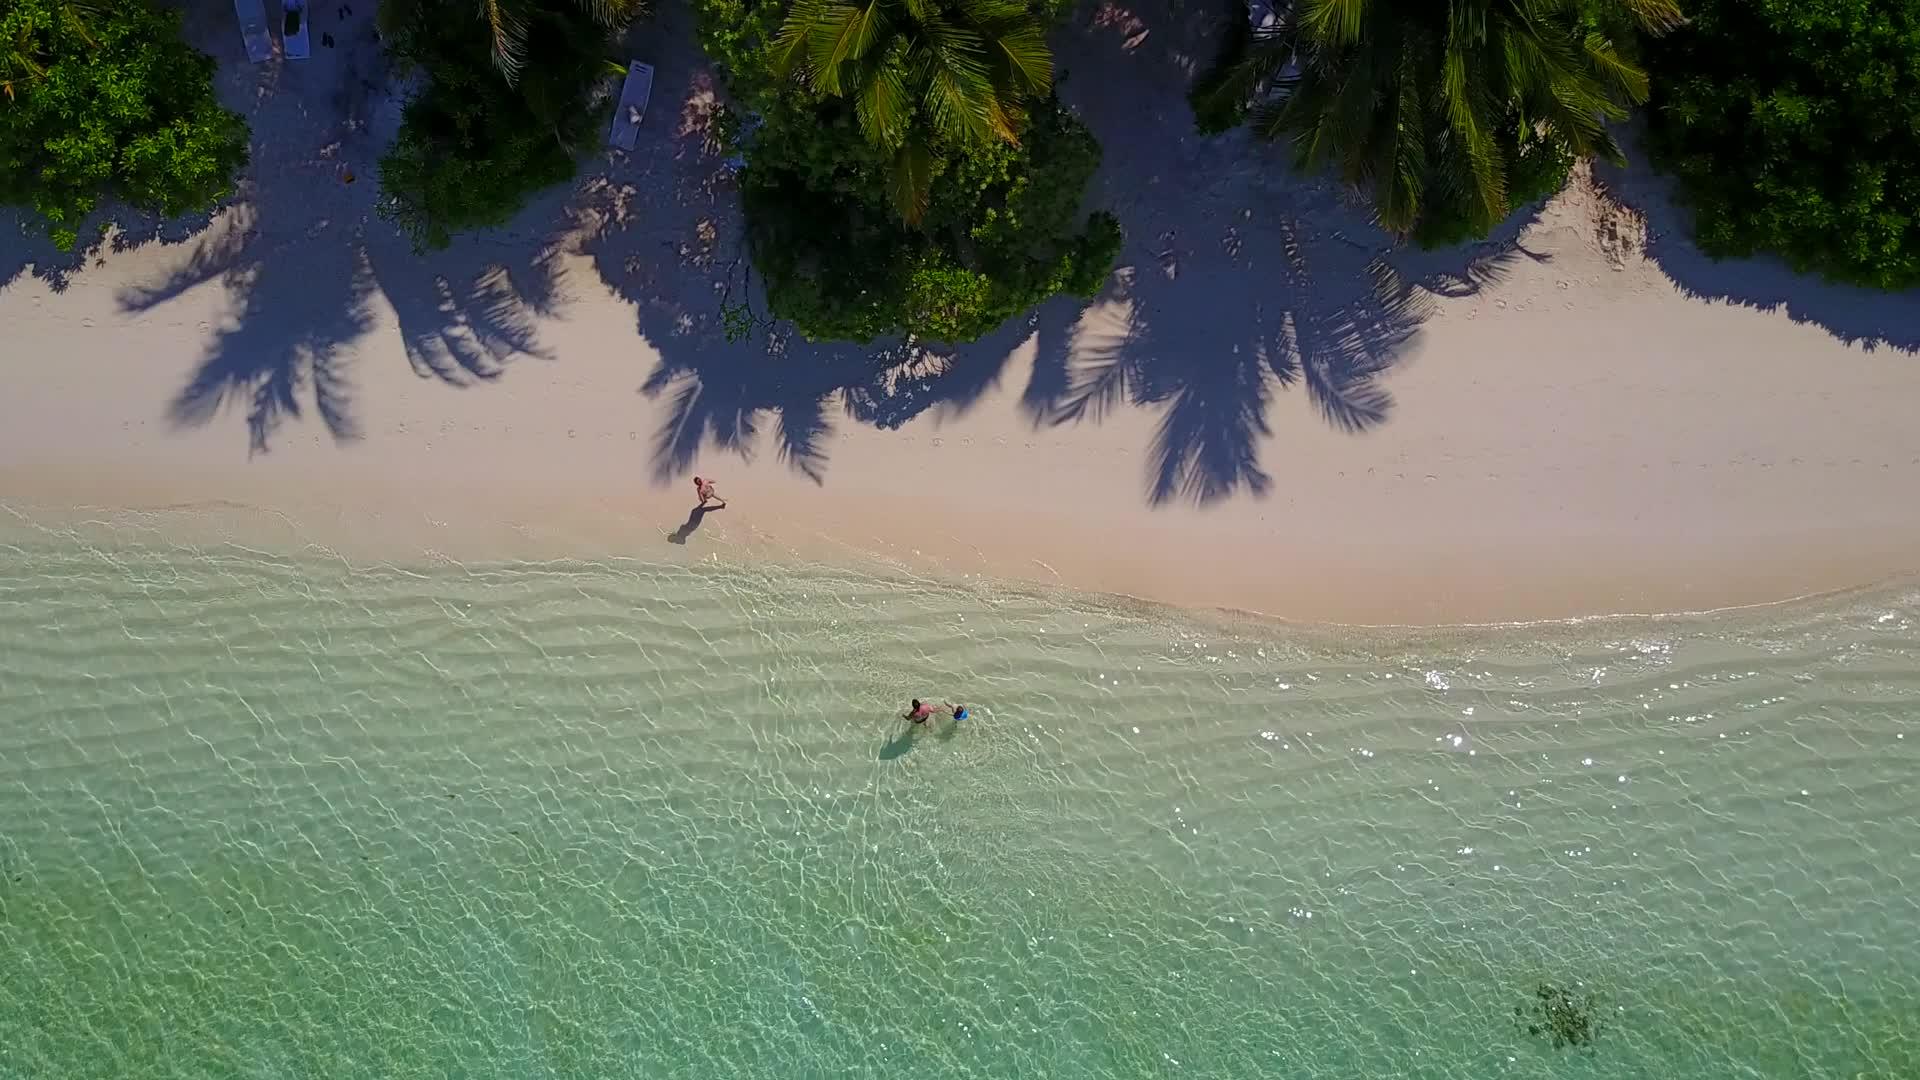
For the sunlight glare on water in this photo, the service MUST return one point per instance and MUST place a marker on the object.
(286, 817)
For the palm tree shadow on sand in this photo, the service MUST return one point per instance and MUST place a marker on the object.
(1306, 304)
(1240, 279)
(1291, 289)
(1329, 317)
(304, 258)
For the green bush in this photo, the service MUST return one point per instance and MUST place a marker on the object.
(1094, 253)
(473, 147)
(107, 102)
(1794, 128)
(1000, 229)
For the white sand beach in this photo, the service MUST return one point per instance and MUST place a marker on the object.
(1272, 407)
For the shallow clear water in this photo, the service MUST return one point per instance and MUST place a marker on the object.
(287, 817)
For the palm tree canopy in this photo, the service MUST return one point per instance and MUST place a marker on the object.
(920, 74)
(507, 22)
(1407, 97)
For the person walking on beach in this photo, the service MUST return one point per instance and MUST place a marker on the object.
(704, 489)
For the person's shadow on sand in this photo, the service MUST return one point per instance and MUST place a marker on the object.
(692, 524)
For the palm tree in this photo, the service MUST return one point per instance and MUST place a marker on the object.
(922, 74)
(508, 21)
(1417, 99)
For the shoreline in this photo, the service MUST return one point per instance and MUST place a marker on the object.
(232, 528)
(365, 506)
(1270, 409)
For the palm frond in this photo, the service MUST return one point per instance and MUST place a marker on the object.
(1023, 49)
(958, 108)
(1400, 176)
(825, 44)
(1309, 115)
(1606, 149)
(1334, 22)
(1005, 117)
(509, 33)
(1622, 74)
(848, 33)
(791, 43)
(910, 181)
(920, 72)
(958, 94)
(1257, 69)
(1573, 119)
(1656, 16)
(1349, 115)
(613, 13)
(954, 45)
(1463, 97)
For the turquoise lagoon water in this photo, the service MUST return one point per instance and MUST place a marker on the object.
(283, 816)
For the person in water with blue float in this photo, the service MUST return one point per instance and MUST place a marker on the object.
(920, 712)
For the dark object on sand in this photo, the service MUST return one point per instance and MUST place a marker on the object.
(327, 40)
(1559, 1016)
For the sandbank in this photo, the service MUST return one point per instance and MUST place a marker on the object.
(1271, 408)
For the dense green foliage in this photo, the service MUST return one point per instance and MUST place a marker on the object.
(1453, 112)
(920, 75)
(473, 147)
(998, 226)
(107, 102)
(1000, 235)
(1794, 126)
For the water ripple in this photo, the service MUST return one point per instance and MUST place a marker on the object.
(283, 815)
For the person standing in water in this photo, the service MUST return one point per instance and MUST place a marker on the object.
(920, 712)
(704, 489)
